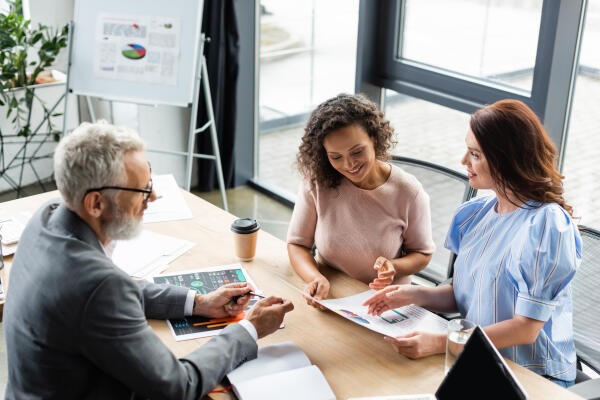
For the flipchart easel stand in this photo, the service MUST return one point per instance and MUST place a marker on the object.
(200, 79)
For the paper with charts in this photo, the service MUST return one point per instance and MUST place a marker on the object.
(205, 281)
(138, 48)
(399, 321)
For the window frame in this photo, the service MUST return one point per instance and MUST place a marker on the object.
(559, 39)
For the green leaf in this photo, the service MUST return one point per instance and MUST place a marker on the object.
(36, 38)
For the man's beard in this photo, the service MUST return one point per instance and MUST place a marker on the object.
(122, 227)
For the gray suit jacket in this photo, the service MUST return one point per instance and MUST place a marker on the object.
(75, 324)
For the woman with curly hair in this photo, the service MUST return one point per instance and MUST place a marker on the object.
(366, 217)
(516, 250)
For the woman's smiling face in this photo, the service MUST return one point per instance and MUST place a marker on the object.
(351, 152)
(477, 166)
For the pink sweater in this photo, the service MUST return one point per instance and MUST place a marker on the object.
(351, 227)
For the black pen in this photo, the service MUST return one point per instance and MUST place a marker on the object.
(234, 299)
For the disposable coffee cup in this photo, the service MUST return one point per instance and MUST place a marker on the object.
(245, 235)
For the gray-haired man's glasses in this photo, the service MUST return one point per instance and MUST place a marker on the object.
(147, 192)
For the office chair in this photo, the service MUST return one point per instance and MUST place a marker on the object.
(447, 190)
(586, 315)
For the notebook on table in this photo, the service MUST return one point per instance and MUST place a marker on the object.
(280, 371)
(479, 372)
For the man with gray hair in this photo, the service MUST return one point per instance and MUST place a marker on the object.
(75, 324)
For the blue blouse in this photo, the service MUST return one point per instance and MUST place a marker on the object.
(519, 263)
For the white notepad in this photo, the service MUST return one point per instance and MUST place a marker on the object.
(280, 371)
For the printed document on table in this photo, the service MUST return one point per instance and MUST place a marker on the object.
(137, 48)
(170, 204)
(146, 253)
(204, 281)
(12, 225)
(399, 321)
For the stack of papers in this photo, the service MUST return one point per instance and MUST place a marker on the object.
(170, 204)
(11, 227)
(148, 253)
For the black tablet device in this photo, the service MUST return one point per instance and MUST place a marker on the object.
(480, 372)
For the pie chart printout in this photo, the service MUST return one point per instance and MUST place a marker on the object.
(133, 51)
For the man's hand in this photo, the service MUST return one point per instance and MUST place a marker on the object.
(317, 288)
(385, 273)
(220, 303)
(418, 344)
(267, 314)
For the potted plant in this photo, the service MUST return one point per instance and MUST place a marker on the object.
(25, 53)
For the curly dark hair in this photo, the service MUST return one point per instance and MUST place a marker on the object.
(520, 155)
(333, 114)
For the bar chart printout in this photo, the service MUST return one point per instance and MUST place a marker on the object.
(205, 281)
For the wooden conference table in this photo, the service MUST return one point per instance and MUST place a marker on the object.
(355, 361)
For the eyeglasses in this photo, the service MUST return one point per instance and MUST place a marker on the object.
(147, 192)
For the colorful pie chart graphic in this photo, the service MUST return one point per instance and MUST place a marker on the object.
(353, 316)
(133, 51)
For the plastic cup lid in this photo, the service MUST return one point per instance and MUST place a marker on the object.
(245, 225)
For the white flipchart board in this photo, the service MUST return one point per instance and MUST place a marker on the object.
(162, 37)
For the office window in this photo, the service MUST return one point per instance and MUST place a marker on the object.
(307, 55)
(581, 167)
(427, 131)
(4, 7)
(491, 40)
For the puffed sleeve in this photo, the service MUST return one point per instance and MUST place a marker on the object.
(463, 217)
(417, 235)
(543, 259)
(304, 218)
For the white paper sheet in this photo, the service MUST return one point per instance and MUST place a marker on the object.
(270, 359)
(401, 397)
(21, 217)
(297, 384)
(148, 252)
(137, 48)
(170, 206)
(399, 321)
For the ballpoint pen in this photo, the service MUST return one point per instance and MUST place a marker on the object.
(234, 299)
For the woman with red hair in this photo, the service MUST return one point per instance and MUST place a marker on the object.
(517, 250)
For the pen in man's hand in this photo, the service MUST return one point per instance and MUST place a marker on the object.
(234, 299)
